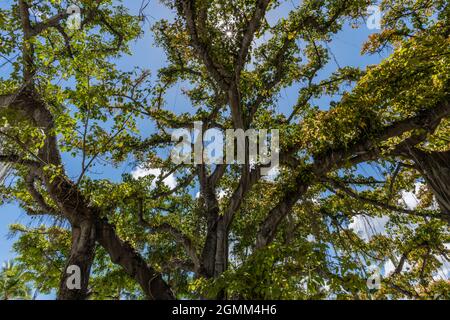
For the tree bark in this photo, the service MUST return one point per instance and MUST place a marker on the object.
(214, 258)
(82, 256)
(210, 247)
(435, 167)
(221, 256)
(124, 255)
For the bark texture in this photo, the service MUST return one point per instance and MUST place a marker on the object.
(82, 255)
(435, 167)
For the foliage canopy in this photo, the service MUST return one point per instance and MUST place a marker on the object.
(384, 132)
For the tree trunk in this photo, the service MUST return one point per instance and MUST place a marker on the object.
(214, 257)
(81, 256)
(212, 214)
(215, 253)
(435, 167)
(221, 257)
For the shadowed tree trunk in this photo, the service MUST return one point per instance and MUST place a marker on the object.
(82, 255)
(86, 226)
(214, 258)
(435, 167)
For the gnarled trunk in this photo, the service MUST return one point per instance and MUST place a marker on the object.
(215, 253)
(214, 259)
(221, 257)
(435, 167)
(81, 257)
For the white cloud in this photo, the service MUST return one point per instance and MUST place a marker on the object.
(366, 227)
(273, 173)
(311, 238)
(140, 172)
(410, 199)
(444, 271)
(222, 194)
(389, 267)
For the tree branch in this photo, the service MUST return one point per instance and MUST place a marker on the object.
(202, 49)
(338, 185)
(124, 255)
(37, 196)
(253, 25)
(181, 238)
(361, 150)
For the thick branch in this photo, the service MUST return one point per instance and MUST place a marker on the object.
(201, 49)
(362, 149)
(37, 196)
(338, 185)
(27, 46)
(252, 27)
(124, 255)
(18, 160)
(51, 22)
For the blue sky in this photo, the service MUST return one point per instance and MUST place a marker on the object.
(346, 49)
